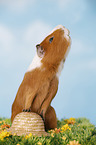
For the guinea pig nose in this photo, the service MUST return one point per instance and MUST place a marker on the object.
(38, 46)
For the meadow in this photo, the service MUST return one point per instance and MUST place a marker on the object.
(68, 132)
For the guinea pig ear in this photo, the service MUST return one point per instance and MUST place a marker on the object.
(40, 51)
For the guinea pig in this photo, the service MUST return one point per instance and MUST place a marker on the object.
(40, 83)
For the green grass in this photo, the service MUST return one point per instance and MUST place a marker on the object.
(80, 130)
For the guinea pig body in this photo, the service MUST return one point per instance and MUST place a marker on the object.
(40, 83)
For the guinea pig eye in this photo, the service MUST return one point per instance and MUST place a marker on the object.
(51, 39)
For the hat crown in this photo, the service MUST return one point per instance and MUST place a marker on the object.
(28, 122)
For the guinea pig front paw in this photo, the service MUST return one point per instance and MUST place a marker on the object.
(27, 110)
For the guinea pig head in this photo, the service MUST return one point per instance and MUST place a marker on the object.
(54, 48)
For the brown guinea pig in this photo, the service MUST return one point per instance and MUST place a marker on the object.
(40, 83)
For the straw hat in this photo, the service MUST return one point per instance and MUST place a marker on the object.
(28, 122)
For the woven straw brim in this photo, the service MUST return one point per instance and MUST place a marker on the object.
(26, 123)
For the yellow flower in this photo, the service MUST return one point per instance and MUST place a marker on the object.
(52, 134)
(4, 126)
(70, 121)
(14, 134)
(0, 122)
(51, 131)
(65, 127)
(57, 130)
(17, 144)
(3, 122)
(74, 143)
(4, 134)
(72, 118)
(64, 138)
(28, 136)
(39, 143)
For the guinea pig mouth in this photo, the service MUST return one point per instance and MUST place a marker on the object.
(40, 51)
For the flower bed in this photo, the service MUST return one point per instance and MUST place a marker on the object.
(68, 132)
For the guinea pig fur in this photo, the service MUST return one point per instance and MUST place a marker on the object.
(40, 83)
